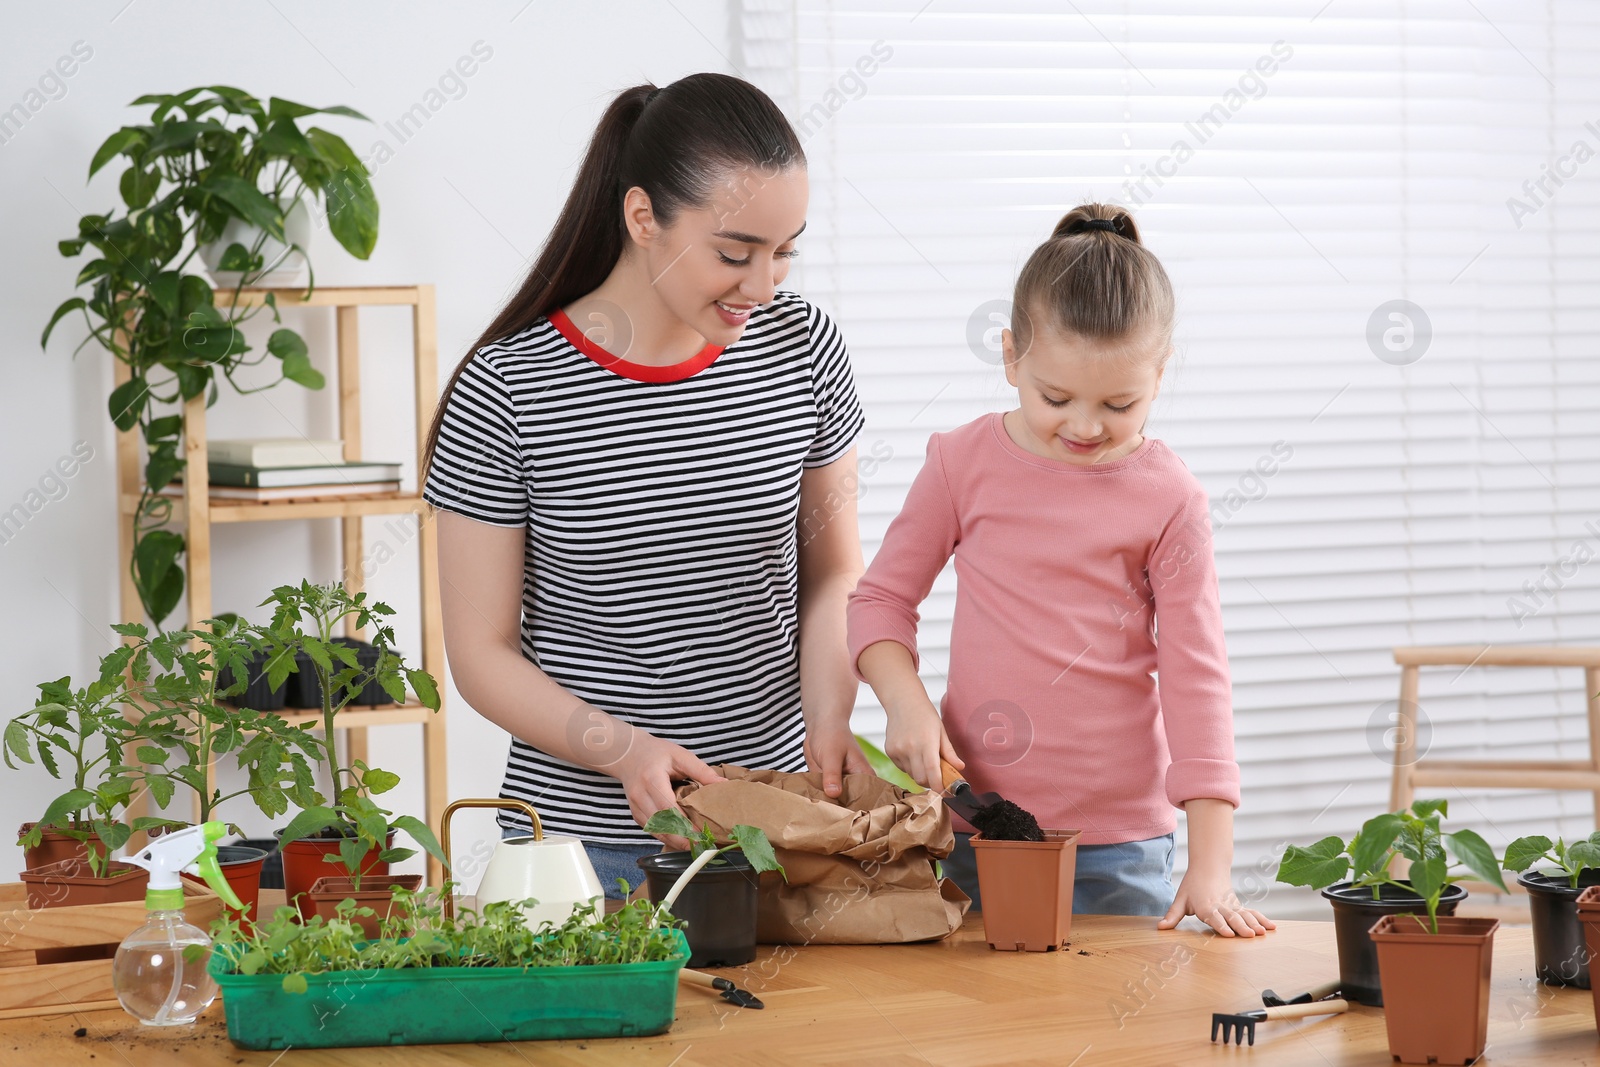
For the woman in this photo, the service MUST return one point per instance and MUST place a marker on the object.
(636, 437)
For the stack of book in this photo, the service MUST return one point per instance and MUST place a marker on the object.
(289, 468)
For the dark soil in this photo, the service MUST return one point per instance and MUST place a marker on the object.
(1005, 821)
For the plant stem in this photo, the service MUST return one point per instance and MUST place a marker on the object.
(683, 880)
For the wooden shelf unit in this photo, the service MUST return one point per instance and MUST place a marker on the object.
(200, 512)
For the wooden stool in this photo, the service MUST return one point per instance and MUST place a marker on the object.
(1410, 772)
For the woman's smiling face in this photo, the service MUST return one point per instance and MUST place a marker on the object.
(716, 263)
(1082, 401)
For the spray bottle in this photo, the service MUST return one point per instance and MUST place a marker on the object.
(156, 981)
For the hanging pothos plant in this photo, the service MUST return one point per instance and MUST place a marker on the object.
(207, 156)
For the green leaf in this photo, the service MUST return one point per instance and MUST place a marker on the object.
(425, 687)
(670, 821)
(213, 343)
(164, 289)
(71, 248)
(155, 555)
(151, 754)
(294, 983)
(127, 402)
(17, 742)
(138, 186)
(352, 203)
(352, 850)
(112, 146)
(1428, 878)
(1318, 866)
(1371, 846)
(1524, 852)
(161, 597)
(418, 831)
(250, 203)
(1424, 808)
(752, 841)
(66, 308)
(379, 781)
(393, 686)
(194, 294)
(283, 139)
(72, 802)
(308, 822)
(1474, 852)
(298, 368)
(160, 789)
(885, 768)
(237, 257)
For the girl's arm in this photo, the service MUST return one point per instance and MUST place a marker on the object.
(883, 620)
(830, 565)
(1197, 710)
(480, 586)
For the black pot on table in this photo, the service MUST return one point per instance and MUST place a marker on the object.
(1354, 913)
(718, 906)
(1560, 954)
(304, 691)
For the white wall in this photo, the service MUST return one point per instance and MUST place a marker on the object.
(465, 202)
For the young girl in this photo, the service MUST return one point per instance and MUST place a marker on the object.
(1083, 568)
(620, 463)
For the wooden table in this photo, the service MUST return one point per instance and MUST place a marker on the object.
(1123, 994)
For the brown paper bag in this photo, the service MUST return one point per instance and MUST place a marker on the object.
(860, 867)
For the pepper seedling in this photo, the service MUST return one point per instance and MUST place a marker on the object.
(703, 847)
(1573, 859)
(1414, 835)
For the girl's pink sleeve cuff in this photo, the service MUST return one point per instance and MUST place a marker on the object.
(1197, 779)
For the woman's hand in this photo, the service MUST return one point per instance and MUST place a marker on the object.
(833, 751)
(647, 771)
(916, 740)
(1210, 898)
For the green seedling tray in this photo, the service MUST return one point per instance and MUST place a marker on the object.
(449, 1005)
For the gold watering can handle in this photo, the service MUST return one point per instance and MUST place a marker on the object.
(480, 802)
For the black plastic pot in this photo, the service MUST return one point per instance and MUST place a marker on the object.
(272, 869)
(1560, 956)
(718, 906)
(304, 691)
(1354, 913)
(258, 694)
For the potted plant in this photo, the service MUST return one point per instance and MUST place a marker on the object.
(1370, 891)
(1559, 954)
(186, 726)
(207, 160)
(86, 728)
(352, 831)
(323, 983)
(711, 888)
(1435, 972)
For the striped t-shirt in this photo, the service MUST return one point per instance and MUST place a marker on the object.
(661, 507)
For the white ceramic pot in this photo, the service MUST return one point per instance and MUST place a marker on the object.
(553, 870)
(281, 264)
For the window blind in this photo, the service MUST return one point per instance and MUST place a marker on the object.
(1299, 168)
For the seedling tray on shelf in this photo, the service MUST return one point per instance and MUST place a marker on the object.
(448, 1005)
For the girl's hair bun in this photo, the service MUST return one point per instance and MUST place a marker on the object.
(1097, 218)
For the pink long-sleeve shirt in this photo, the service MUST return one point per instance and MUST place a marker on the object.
(1063, 573)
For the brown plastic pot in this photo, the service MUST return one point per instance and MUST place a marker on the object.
(241, 866)
(375, 893)
(1589, 918)
(68, 883)
(303, 864)
(53, 847)
(1026, 888)
(1435, 986)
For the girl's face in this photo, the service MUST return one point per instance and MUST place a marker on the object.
(715, 264)
(1082, 402)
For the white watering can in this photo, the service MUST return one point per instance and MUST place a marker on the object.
(553, 870)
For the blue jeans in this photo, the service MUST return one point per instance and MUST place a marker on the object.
(610, 862)
(1131, 878)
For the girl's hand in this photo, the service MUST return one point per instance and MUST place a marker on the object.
(647, 771)
(834, 752)
(916, 740)
(1210, 898)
